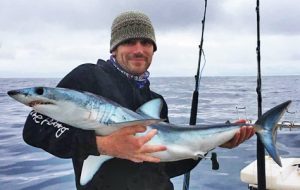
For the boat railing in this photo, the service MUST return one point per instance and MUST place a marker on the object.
(290, 124)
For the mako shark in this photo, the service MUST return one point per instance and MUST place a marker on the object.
(92, 112)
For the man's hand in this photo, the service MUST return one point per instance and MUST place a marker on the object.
(124, 144)
(242, 135)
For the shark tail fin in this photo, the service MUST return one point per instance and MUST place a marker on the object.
(267, 129)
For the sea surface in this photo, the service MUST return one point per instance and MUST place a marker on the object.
(220, 99)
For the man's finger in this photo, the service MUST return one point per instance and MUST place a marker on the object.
(137, 160)
(250, 132)
(243, 132)
(148, 158)
(148, 136)
(235, 139)
(132, 130)
(152, 148)
(241, 121)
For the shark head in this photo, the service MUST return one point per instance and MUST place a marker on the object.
(34, 97)
(52, 102)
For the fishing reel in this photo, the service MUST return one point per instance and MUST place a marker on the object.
(214, 161)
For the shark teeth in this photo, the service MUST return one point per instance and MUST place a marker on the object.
(37, 102)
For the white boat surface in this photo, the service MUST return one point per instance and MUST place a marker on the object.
(286, 177)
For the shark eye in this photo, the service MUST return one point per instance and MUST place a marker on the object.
(39, 91)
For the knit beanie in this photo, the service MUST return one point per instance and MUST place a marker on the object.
(129, 25)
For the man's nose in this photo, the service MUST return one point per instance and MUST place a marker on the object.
(138, 47)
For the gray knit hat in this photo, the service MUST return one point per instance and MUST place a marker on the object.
(130, 25)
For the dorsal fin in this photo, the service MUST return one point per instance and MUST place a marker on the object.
(151, 108)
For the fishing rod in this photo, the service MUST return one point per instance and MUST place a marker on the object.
(261, 172)
(194, 108)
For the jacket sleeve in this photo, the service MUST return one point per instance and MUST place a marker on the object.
(57, 138)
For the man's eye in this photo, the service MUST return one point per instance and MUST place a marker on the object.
(146, 42)
(130, 42)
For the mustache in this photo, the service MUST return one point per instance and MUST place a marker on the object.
(136, 55)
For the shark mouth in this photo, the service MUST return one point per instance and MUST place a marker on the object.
(38, 102)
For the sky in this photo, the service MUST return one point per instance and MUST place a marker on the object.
(48, 38)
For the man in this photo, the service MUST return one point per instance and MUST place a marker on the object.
(123, 79)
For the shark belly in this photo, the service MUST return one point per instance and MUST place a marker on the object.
(189, 145)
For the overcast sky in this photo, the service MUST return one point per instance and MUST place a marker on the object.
(48, 38)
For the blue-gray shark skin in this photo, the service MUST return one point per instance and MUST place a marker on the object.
(92, 112)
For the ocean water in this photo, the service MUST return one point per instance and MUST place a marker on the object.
(26, 167)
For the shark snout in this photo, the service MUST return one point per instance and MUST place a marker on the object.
(13, 92)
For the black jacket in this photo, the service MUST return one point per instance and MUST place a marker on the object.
(65, 141)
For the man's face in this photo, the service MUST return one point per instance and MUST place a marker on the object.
(135, 55)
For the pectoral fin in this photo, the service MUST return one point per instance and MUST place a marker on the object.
(90, 166)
